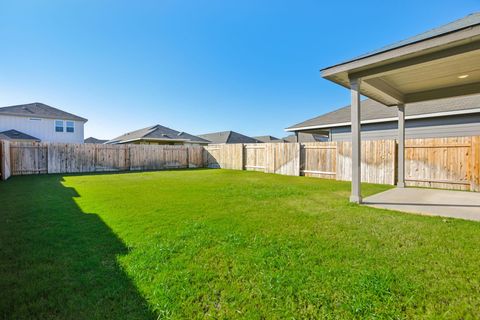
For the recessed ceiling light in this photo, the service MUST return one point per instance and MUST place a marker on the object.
(463, 76)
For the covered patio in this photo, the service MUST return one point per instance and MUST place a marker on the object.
(430, 202)
(440, 63)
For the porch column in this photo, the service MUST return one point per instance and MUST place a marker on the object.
(401, 146)
(356, 196)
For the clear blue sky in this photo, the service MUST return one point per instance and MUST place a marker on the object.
(196, 66)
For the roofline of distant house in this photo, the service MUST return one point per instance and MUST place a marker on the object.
(154, 139)
(73, 118)
(419, 116)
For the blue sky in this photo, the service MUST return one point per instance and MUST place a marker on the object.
(196, 66)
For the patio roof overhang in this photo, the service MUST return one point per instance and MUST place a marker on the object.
(441, 63)
(442, 66)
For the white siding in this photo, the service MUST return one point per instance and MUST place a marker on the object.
(43, 129)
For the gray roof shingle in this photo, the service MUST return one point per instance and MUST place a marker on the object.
(94, 140)
(268, 139)
(16, 135)
(228, 137)
(372, 110)
(39, 110)
(157, 132)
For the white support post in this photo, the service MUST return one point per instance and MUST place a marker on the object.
(401, 147)
(356, 196)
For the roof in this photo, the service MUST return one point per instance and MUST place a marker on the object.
(268, 139)
(157, 133)
(305, 137)
(463, 23)
(39, 110)
(373, 111)
(227, 137)
(16, 135)
(94, 140)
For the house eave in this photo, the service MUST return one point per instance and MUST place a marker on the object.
(411, 117)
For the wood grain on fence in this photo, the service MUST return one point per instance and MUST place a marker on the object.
(450, 163)
(378, 161)
(36, 158)
(254, 156)
(225, 156)
(319, 159)
(445, 163)
(283, 158)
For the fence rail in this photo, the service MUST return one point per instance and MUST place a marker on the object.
(450, 163)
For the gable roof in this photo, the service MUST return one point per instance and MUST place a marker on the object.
(16, 135)
(268, 139)
(39, 110)
(374, 112)
(463, 23)
(306, 137)
(94, 140)
(157, 133)
(228, 137)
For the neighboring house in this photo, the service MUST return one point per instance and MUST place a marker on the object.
(158, 134)
(452, 117)
(94, 140)
(268, 139)
(14, 135)
(228, 137)
(306, 137)
(43, 122)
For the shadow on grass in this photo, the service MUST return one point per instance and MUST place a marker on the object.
(57, 261)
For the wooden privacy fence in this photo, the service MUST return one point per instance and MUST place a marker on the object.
(329, 160)
(37, 157)
(449, 163)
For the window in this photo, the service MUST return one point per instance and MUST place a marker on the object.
(70, 126)
(58, 125)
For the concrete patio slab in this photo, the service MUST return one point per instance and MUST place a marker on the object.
(445, 203)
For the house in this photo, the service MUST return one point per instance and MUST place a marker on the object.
(14, 135)
(94, 140)
(158, 134)
(227, 137)
(41, 122)
(451, 117)
(268, 139)
(305, 137)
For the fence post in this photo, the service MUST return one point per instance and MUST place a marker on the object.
(298, 160)
(475, 165)
(242, 156)
(5, 159)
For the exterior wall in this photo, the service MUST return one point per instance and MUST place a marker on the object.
(41, 128)
(440, 127)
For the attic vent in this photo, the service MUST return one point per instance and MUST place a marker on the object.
(28, 110)
(164, 135)
(180, 133)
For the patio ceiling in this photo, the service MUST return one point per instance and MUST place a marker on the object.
(441, 63)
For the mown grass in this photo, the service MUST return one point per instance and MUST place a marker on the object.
(225, 244)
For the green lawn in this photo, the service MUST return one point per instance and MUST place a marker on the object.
(225, 244)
